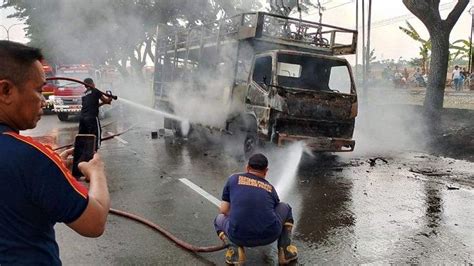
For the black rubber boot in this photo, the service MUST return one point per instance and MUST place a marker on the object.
(286, 251)
(235, 255)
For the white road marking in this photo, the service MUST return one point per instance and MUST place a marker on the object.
(201, 191)
(118, 138)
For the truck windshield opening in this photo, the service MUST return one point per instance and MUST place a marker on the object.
(313, 73)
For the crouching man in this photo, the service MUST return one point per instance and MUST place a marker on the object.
(252, 214)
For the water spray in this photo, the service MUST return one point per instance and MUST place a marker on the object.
(288, 175)
(185, 125)
(151, 110)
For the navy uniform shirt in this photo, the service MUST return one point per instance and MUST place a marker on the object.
(90, 103)
(252, 208)
(36, 191)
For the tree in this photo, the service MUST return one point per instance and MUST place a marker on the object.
(461, 50)
(372, 56)
(415, 62)
(117, 32)
(425, 47)
(428, 12)
(285, 7)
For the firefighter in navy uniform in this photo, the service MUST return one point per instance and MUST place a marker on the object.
(91, 101)
(252, 215)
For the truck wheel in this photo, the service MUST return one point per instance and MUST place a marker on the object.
(250, 144)
(251, 141)
(176, 127)
(244, 132)
(63, 116)
(168, 123)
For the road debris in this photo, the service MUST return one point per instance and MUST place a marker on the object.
(427, 172)
(373, 161)
(452, 187)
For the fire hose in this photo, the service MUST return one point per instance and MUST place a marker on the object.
(101, 139)
(167, 234)
(150, 224)
(85, 84)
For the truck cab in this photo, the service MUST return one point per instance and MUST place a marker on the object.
(298, 96)
(49, 87)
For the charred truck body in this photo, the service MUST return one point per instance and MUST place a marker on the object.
(274, 79)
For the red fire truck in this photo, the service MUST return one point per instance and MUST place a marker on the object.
(67, 95)
(51, 85)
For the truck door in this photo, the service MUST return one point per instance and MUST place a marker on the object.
(257, 93)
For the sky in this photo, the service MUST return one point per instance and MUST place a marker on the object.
(388, 41)
(16, 32)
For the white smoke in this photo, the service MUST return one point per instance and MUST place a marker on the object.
(387, 123)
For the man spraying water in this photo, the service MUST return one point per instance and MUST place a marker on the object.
(252, 214)
(91, 101)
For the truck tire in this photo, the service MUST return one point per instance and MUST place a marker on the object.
(244, 129)
(168, 123)
(250, 143)
(176, 126)
(173, 125)
(63, 116)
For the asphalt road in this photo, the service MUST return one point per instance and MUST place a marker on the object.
(349, 208)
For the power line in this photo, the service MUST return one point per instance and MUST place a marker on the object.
(389, 21)
(332, 7)
(343, 4)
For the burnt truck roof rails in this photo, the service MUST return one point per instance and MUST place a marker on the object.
(263, 31)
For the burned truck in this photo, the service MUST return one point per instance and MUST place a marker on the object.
(262, 76)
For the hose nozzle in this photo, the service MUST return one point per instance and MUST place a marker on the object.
(109, 94)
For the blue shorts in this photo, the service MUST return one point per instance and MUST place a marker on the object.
(283, 211)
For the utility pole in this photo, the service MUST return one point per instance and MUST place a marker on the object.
(363, 47)
(471, 57)
(367, 57)
(357, 28)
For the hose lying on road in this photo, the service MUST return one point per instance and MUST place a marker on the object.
(102, 139)
(150, 224)
(179, 242)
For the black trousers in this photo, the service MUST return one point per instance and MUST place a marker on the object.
(91, 125)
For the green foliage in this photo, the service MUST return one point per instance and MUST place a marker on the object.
(118, 32)
(372, 56)
(285, 7)
(410, 31)
(415, 62)
(425, 45)
(460, 50)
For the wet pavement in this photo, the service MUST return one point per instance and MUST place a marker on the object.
(405, 207)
